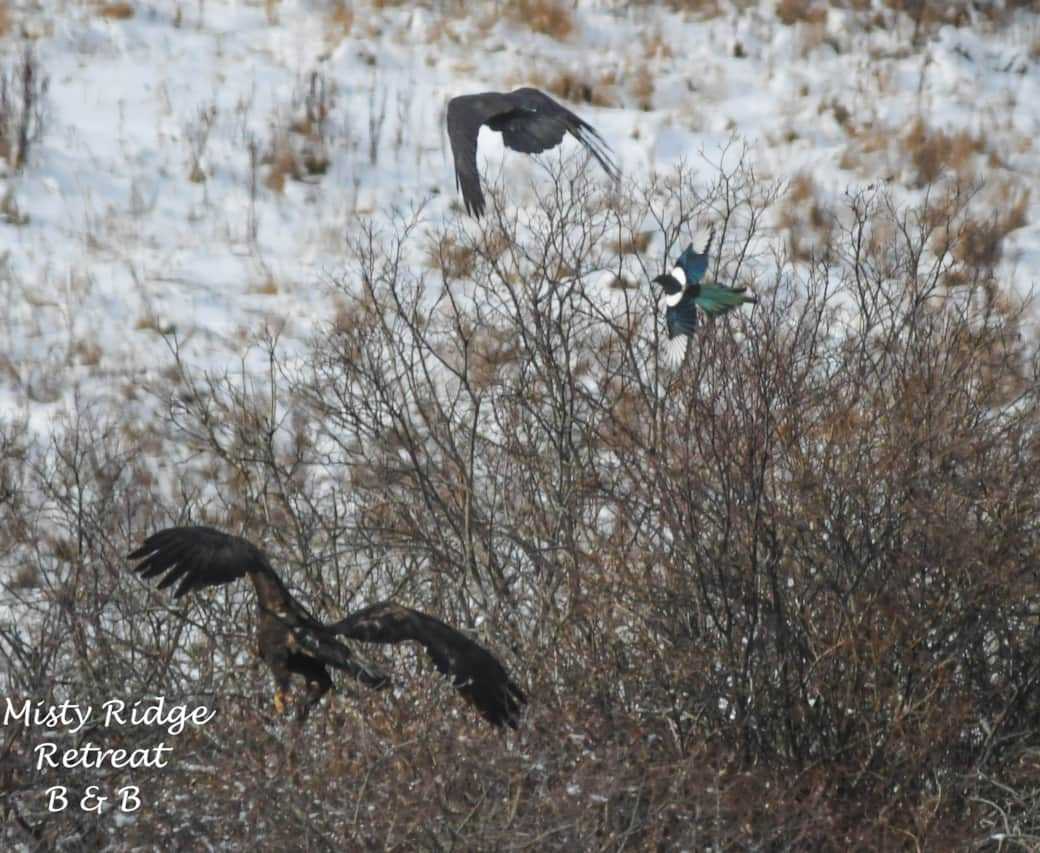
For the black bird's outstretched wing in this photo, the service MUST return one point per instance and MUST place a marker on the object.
(475, 672)
(537, 122)
(196, 556)
(466, 114)
(530, 122)
(681, 319)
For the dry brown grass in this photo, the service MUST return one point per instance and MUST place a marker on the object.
(267, 286)
(10, 212)
(119, 11)
(978, 244)
(840, 112)
(803, 217)
(600, 89)
(934, 152)
(656, 44)
(642, 87)
(151, 322)
(298, 147)
(455, 261)
(549, 17)
(702, 9)
(340, 22)
(86, 352)
(801, 11)
(634, 244)
(621, 283)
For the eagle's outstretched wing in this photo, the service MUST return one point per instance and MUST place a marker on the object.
(530, 122)
(203, 556)
(475, 672)
(197, 557)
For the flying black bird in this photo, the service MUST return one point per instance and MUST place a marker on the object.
(292, 641)
(684, 294)
(529, 121)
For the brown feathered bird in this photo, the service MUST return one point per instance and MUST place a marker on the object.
(530, 122)
(293, 642)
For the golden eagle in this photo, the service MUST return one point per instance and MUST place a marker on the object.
(292, 641)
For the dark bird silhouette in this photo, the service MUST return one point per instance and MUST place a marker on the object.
(293, 642)
(529, 121)
(684, 294)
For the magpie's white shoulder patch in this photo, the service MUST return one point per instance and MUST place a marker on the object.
(672, 300)
(678, 274)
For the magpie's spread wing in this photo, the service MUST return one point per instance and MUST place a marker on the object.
(682, 318)
(474, 671)
(695, 264)
(674, 351)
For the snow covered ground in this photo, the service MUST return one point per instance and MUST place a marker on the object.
(200, 163)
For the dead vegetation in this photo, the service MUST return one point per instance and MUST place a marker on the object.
(803, 218)
(920, 19)
(23, 91)
(577, 86)
(935, 152)
(298, 148)
(548, 17)
(120, 11)
(781, 599)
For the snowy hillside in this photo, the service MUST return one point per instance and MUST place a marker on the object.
(195, 166)
(783, 597)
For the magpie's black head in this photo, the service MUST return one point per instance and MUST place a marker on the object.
(668, 282)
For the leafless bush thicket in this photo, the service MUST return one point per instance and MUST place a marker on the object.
(784, 597)
(23, 89)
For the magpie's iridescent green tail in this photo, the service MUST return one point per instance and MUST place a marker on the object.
(716, 301)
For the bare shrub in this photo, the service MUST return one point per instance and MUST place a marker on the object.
(804, 218)
(781, 598)
(23, 90)
(197, 134)
(300, 136)
(10, 212)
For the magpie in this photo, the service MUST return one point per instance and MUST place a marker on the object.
(684, 294)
